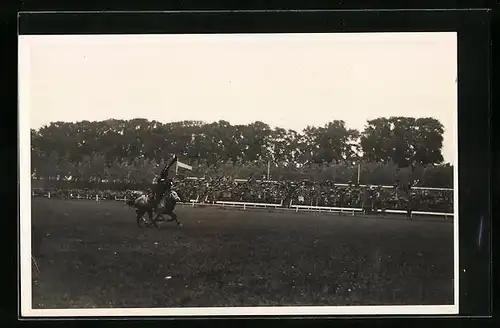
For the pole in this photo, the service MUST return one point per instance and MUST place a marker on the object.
(176, 167)
(359, 171)
(268, 169)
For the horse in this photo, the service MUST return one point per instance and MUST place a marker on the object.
(145, 204)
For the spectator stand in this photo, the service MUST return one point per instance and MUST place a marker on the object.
(326, 197)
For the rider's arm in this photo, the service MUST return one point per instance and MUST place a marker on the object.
(172, 162)
(164, 172)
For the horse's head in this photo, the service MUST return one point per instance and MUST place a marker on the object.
(175, 196)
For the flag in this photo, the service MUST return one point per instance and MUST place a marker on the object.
(179, 164)
(184, 166)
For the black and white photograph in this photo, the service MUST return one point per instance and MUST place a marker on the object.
(238, 174)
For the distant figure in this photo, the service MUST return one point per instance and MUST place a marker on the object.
(377, 202)
(367, 202)
(409, 205)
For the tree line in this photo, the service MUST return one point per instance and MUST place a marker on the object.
(132, 150)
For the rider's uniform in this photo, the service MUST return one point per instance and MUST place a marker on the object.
(143, 199)
(164, 184)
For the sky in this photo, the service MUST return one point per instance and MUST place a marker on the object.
(285, 80)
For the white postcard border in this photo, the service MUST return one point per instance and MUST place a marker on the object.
(25, 240)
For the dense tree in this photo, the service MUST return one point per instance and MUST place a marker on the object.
(429, 141)
(134, 150)
(331, 143)
(405, 141)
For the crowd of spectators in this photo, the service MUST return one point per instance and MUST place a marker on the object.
(309, 193)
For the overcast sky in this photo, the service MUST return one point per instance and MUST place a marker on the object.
(290, 80)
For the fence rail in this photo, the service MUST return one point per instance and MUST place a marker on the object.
(360, 210)
(247, 204)
(446, 215)
(326, 209)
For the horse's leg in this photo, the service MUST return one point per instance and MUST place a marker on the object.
(408, 212)
(150, 217)
(140, 214)
(173, 215)
(168, 212)
(159, 215)
(155, 221)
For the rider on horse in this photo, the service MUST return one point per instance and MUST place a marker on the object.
(151, 200)
(163, 184)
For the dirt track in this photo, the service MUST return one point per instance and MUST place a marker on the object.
(91, 254)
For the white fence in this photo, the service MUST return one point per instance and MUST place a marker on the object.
(353, 210)
(77, 196)
(322, 209)
(325, 209)
(328, 209)
(247, 204)
(446, 215)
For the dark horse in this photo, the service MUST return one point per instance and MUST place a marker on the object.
(146, 205)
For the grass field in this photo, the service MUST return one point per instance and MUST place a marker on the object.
(92, 254)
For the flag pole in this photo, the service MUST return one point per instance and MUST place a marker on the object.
(359, 171)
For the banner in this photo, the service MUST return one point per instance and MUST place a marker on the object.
(182, 166)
